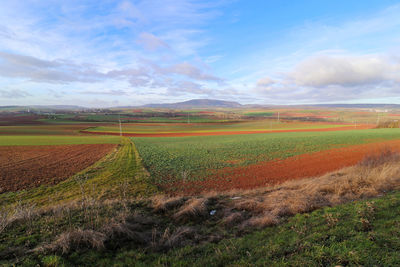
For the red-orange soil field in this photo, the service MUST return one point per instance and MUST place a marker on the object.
(23, 167)
(178, 134)
(278, 171)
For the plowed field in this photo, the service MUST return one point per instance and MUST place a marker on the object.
(23, 167)
(278, 171)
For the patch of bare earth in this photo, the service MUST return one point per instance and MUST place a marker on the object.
(23, 167)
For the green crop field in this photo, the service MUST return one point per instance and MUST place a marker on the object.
(169, 158)
(259, 114)
(29, 140)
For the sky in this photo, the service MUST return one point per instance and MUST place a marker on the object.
(129, 53)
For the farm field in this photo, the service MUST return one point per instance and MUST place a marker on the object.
(27, 140)
(155, 190)
(45, 129)
(182, 129)
(23, 167)
(179, 163)
(83, 175)
(116, 170)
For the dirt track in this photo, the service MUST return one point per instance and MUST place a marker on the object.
(23, 167)
(275, 172)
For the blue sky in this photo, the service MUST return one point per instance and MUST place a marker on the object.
(113, 53)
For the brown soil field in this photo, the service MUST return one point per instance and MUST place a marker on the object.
(278, 171)
(23, 167)
(359, 127)
(11, 120)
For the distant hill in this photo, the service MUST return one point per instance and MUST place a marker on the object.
(197, 103)
(66, 107)
(200, 103)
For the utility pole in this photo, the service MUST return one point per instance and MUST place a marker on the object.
(278, 116)
(120, 126)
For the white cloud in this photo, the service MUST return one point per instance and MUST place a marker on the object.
(61, 71)
(266, 81)
(188, 87)
(77, 47)
(334, 78)
(326, 70)
(190, 71)
(13, 93)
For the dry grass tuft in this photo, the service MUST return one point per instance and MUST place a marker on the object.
(232, 218)
(164, 203)
(193, 208)
(249, 204)
(261, 221)
(77, 238)
(4, 220)
(387, 156)
(182, 236)
(24, 212)
(126, 230)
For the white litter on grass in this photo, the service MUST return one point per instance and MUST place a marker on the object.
(212, 212)
(236, 198)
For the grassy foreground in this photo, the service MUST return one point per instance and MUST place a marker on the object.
(360, 233)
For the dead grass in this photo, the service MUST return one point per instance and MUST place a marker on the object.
(75, 239)
(165, 203)
(385, 157)
(4, 220)
(183, 235)
(261, 221)
(232, 218)
(193, 208)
